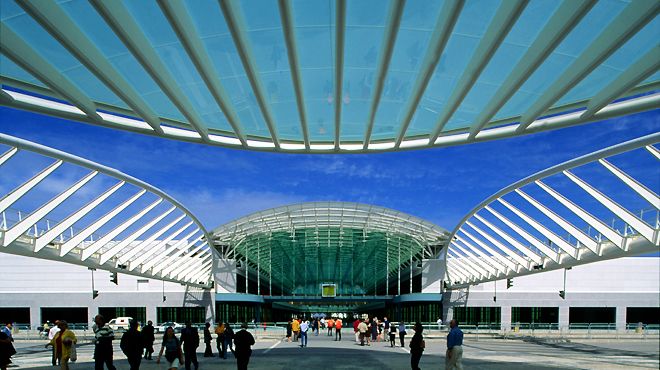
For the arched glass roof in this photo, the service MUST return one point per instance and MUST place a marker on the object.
(331, 75)
(360, 248)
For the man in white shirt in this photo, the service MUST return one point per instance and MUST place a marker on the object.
(303, 333)
(439, 323)
(51, 334)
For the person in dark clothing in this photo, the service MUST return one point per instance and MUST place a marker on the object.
(131, 344)
(190, 341)
(103, 337)
(392, 335)
(148, 339)
(244, 342)
(229, 339)
(208, 352)
(417, 345)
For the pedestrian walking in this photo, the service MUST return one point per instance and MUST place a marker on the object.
(288, 331)
(208, 352)
(402, 333)
(6, 350)
(64, 343)
(220, 340)
(356, 324)
(190, 342)
(148, 338)
(393, 335)
(362, 329)
(172, 348)
(338, 326)
(51, 335)
(303, 333)
(103, 337)
(244, 342)
(229, 339)
(331, 326)
(439, 322)
(131, 344)
(374, 330)
(454, 358)
(417, 346)
(295, 327)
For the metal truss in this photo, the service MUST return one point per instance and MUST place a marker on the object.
(106, 219)
(54, 92)
(561, 217)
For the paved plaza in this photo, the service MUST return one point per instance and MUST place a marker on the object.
(324, 353)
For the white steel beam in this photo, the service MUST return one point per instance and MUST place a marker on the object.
(598, 225)
(169, 260)
(478, 260)
(21, 190)
(288, 28)
(562, 22)
(639, 188)
(96, 225)
(385, 56)
(547, 233)
(578, 234)
(468, 265)
(176, 247)
(506, 16)
(636, 73)
(235, 23)
(340, 33)
(129, 32)
(485, 257)
(8, 154)
(112, 252)
(512, 241)
(195, 269)
(203, 272)
(147, 242)
(456, 268)
(21, 53)
(183, 25)
(160, 246)
(169, 267)
(512, 266)
(547, 251)
(68, 222)
(22, 226)
(55, 20)
(444, 25)
(633, 18)
(654, 151)
(511, 253)
(640, 226)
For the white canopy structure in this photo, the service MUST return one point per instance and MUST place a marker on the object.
(118, 223)
(331, 76)
(562, 217)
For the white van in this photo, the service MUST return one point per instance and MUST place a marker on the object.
(120, 323)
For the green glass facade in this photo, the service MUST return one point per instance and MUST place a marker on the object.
(478, 315)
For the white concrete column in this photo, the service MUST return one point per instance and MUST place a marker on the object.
(621, 318)
(152, 313)
(35, 316)
(448, 313)
(506, 318)
(563, 318)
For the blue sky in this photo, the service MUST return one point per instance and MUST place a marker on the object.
(219, 185)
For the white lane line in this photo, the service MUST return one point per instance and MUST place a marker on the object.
(405, 349)
(273, 346)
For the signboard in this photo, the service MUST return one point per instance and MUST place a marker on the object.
(328, 290)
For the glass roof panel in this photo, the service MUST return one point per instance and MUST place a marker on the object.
(315, 38)
(220, 47)
(95, 28)
(468, 31)
(640, 44)
(161, 35)
(365, 26)
(515, 45)
(417, 24)
(10, 69)
(56, 54)
(589, 28)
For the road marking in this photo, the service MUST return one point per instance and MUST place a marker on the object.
(405, 349)
(273, 346)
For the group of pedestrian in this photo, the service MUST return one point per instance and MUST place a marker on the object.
(224, 340)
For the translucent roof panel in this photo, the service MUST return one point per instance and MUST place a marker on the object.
(332, 76)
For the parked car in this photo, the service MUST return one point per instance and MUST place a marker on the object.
(120, 323)
(176, 326)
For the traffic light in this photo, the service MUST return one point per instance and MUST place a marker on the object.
(494, 298)
(509, 283)
(113, 277)
(562, 294)
(164, 298)
(95, 293)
